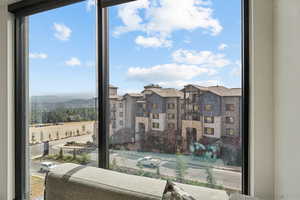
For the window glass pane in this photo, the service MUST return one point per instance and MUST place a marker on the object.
(62, 91)
(176, 67)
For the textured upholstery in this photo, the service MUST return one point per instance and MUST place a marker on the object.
(75, 182)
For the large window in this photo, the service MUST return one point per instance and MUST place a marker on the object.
(159, 85)
(61, 85)
(187, 69)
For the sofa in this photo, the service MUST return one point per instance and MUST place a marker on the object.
(77, 182)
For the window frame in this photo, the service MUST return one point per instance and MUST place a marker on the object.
(229, 130)
(208, 107)
(25, 8)
(229, 121)
(209, 128)
(155, 123)
(155, 116)
(212, 121)
(230, 107)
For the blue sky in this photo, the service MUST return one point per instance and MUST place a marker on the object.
(151, 41)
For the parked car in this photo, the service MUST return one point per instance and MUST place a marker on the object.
(47, 166)
(149, 162)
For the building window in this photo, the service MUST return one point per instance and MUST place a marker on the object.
(229, 107)
(230, 131)
(194, 98)
(32, 138)
(155, 116)
(121, 122)
(114, 106)
(120, 105)
(171, 125)
(154, 106)
(113, 115)
(208, 107)
(209, 131)
(121, 114)
(208, 119)
(196, 108)
(182, 106)
(155, 125)
(171, 106)
(171, 116)
(114, 125)
(229, 120)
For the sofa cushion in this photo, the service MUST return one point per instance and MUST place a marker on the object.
(75, 182)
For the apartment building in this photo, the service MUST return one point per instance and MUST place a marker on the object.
(117, 115)
(212, 112)
(158, 114)
(181, 117)
(126, 134)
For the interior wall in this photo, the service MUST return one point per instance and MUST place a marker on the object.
(287, 98)
(6, 105)
(261, 100)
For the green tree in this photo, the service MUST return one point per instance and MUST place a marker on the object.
(181, 168)
(74, 154)
(61, 154)
(158, 171)
(114, 165)
(210, 177)
(85, 159)
(141, 172)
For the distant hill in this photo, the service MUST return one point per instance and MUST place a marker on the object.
(53, 102)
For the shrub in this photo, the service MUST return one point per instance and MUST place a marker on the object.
(181, 168)
(84, 159)
(210, 178)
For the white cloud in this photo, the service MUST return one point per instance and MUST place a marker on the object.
(90, 64)
(62, 32)
(180, 84)
(73, 62)
(130, 16)
(90, 4)
(222, 46)
(38, 56)
(167, 72)
(203, 58)
(123, 91)
(237, 71)
(187, 41)
(161, 18)
(152, 42)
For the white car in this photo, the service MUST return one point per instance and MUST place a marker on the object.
(47, 166)
(149, 162)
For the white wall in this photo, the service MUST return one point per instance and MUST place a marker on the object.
(261, 73)
(287, 98)
(6, 106)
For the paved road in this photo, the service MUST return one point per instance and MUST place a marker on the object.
(230, 178)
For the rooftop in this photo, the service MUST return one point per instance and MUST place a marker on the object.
(167, 92)
(133, 94)
(220, 90)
